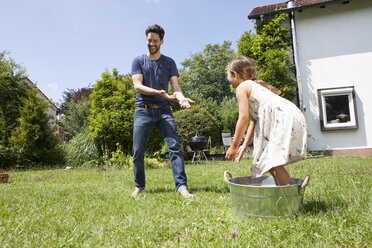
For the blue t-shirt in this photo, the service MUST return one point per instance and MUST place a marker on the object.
(156, 75)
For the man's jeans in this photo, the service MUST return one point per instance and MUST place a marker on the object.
(144, 120)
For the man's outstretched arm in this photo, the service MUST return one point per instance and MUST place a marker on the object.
(184, 102)
(142, 89)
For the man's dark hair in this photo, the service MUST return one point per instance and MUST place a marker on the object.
(155, 29)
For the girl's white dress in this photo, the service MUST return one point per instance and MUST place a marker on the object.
(280, 133)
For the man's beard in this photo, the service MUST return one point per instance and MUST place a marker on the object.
(156, 49)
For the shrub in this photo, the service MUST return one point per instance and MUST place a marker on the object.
(228, 115)
(154, 163)
(76, 117)
(196, 120)
(81, 149)
(112, 110)
(120, 160)
(12, 89)
(212, 106)
(8, 157)
(34, 137)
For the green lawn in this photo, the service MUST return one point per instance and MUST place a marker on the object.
(92, 208)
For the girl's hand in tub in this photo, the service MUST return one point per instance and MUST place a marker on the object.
(240, 153)
(231, 153)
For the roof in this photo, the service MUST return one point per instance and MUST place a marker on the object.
(282, 7)
(45, 97)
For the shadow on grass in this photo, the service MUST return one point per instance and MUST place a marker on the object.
(192, 189)
(315, 207)
(211, 189)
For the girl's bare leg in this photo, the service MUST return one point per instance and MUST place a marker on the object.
(280, 175)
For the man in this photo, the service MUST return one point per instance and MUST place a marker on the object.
(151, 74)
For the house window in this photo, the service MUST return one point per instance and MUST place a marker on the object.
(337, 108)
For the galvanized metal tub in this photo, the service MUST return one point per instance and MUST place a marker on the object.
(262, 198)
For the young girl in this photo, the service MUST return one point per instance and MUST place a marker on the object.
(278, 126)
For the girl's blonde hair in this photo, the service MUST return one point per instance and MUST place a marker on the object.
(245, 67)
(268, 86)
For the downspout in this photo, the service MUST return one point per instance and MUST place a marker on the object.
(290, 5)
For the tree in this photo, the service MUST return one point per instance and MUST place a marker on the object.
(112, 110)
(75, 119)
(270, 48)
(72, 95)
(204, 73)
(12, 89)
(74, 111)
(35, 137)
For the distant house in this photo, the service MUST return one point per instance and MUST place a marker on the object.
(52, 108)
(332, 43)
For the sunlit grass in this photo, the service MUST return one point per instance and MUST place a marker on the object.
(92, 208)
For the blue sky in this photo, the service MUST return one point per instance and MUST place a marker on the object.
(69, 43)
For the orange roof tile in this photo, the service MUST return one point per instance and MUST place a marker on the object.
(272, 8)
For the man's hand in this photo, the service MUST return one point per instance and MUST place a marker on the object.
(183, 101)
(186, 102)
(166, 96)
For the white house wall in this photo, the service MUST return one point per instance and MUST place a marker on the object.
(52, 109)
(335, 50)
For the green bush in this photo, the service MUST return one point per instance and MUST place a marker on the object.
(12, 89)
(81, 149)
(120, 160)
(8, 157)
(228, 115)
(154, 163)
(34, 138)
(209, 104)
(196, 120)
(112, 111)
(111, 119)
(76, 117)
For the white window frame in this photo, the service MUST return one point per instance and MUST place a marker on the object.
(349, 91)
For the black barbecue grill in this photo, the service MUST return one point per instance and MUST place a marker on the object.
(197, 145)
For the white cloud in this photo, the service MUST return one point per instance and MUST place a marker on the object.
(53, 86)
(53, 91)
